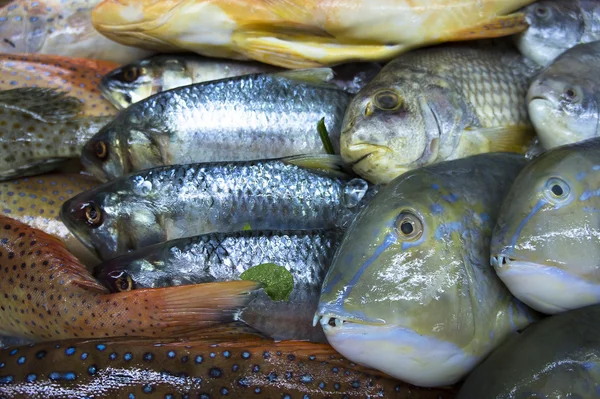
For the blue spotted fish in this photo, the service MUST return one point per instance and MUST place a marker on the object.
(240, 368)
(411, 291)
(546, 245)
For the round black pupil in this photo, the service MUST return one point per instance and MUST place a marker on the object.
(124, 283)
(407, 228)
(570, 93)
(387, 101)
(542, 11)
(93, 213)
(557, 190)
(99, 149)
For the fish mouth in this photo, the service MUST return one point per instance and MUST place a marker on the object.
(357, 153)
(112, 94)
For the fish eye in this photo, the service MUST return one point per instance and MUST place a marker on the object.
(93, 214)
(557, 189)
(570, 94)
(409, 226)
(542, 12)
(387, 100)
(131, 74)
(101, 149)
(124, 283)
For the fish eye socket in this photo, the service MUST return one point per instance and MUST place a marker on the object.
(409, 226)
(131, 74)
(124, 283)
(557, 189)
(570, 94)
(542, 11)
(93, 214)
(387, 100)
(101, 149)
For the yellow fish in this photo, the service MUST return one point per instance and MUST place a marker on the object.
(303, 33)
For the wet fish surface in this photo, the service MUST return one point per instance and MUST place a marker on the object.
(200, 368)
(48, 295)
(437, 104)
(170, 202)
(545, 244)
(554, 358)
(36, 201)
(556, 26)
(223, 257)
(564, 99)
(410, 290)
(237, 119)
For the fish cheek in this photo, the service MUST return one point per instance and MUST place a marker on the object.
(144, 151)
(144, 229)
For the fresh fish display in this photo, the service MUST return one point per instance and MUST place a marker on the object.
(223, 257)
(48, 295)
(545, 245)
(170, 202)
(76, 76)
(36, 201)
(554, 358)
(238, 119)
(556, 26)
(287, 33)
(41, 130)
(141, 79)
(410, 290)
(59, 27)
(564, 99)
(198, 368)
(438, 104)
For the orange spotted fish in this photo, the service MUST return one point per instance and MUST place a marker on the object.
(46, 294)
(37, 201)
(254, 368)
(78, 77)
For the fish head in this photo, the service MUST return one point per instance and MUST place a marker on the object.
(554, 27)
(400, 289)
(545, 243)
(141, 79)
(114, 275)
(562, 103)
(391, 128)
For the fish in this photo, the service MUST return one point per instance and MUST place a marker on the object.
(236, 119)
(41, 130)
(78, 77)
(437, 104)
(49, 295)
(411, 291)
(564, 99)
(169, 202)
(58, 27)
(224, 257)
(138, 80)
(568, 370)
(198, 368)
(286, 33)
(556, 26)
(36, 201)
(544, 246)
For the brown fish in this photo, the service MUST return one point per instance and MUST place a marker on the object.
(36, 201)
(248, 367)
(48, 295)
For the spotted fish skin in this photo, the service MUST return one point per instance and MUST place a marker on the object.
(48, 295)
(36, 201)
(246, 368)
(78, 77)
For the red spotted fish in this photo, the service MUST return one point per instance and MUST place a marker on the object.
(48, 295)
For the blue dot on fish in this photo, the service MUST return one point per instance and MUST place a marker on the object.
(307, 378)
(13, 352)
(227, 354)
(131, 396)
(84, 356)
(101, 347)
(235, 367)
(256, 390)
(31, 377)
(92, 370)
(128, 356)
(41, 354)
(246, 355)
(70, 351)
(21, 360)
(171, 354)
(112, 356)
(198, 359)
(224, 391)
(6, 379)
(147, 388)
(148, 356)
(212, 354)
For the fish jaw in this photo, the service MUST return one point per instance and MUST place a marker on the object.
(399, 352)
(366, 160)
(547, 289)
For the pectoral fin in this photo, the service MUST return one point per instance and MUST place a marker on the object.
(330, 165)
(44, 105)
(504, 25)
(508, 138)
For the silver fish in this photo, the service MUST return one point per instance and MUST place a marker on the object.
(223, 257)
(242, 118)
(178, 201)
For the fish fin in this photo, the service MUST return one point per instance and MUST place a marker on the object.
(502, 25)
(186, 309)
(330, 165)
(36, 167)
(507, 138)
(42, 104)
(290, 10)
(318, 76)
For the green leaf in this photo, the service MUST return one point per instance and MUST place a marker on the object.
(277, 281)
(325, 136)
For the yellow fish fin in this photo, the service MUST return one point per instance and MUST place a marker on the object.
(507, 138)
(312, 75)
(330, 165)
(504, 25)
(291, 10)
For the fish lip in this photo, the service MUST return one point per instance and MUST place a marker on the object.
(503, 260)
(105, 91)
(326, 313)
(375, 148)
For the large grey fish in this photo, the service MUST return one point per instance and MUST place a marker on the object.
(546, 243)
(236, 119)
(178, 201)
(558, 357)
(557, 25)
(223, 257)
(564, 99)
(40, 130)
(438, 104)
(410, 290)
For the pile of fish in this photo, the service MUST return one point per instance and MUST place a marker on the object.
(299, 198)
